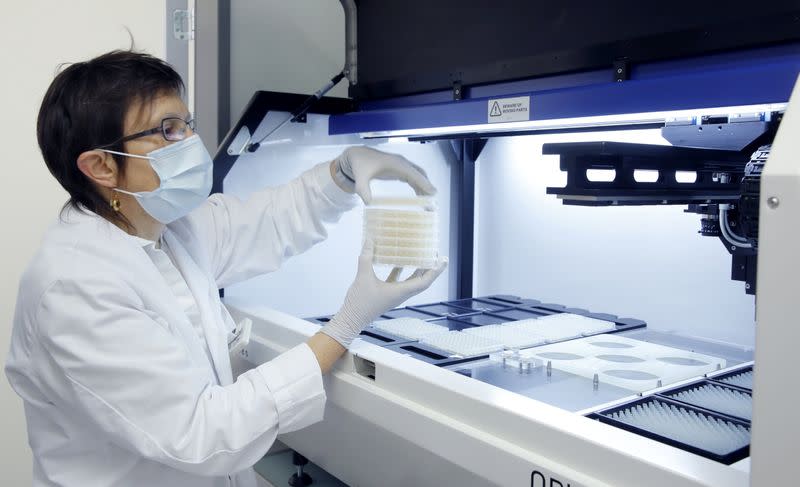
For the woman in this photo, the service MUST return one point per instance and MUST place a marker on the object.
(120, 341)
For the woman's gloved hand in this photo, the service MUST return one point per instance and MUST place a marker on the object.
(369, 297)
(358, 166)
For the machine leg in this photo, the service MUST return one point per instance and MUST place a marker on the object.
(300, 479)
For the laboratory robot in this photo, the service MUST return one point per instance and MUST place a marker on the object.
(620, 209)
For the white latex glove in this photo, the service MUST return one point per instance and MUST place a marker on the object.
(360, 165)
(369, 297)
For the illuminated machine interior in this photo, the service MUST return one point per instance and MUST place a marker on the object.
(620, 235)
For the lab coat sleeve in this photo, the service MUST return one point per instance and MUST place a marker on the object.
(120, 368)
(253, 237)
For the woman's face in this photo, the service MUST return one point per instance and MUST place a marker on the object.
(139, 175)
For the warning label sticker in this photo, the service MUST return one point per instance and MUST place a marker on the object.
(517, 109)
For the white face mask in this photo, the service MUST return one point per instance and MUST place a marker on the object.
(185, 169)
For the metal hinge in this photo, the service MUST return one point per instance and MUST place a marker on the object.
(746, 117)
(458, 91)
(622, 70)
(183, 24)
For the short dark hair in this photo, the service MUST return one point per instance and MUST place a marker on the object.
(85, 108)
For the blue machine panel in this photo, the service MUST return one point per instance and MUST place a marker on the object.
(734, 79)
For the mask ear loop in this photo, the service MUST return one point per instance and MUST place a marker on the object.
(124, 154)
(115, 203)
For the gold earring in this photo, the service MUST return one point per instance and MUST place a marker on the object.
(115, 203)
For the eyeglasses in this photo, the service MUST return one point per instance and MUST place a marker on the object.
(171, 128)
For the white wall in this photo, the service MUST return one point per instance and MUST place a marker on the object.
(289, 46)
(35, 36)
(642, 262)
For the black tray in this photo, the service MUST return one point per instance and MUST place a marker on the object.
(728, 458)
(670, 394)
(719, 379)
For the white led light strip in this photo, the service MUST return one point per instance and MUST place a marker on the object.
(581, 122)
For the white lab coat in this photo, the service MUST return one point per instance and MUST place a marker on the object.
(117, 386)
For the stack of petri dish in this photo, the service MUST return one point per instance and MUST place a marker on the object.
(405, 231)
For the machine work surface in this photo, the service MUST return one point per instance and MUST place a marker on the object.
(688, 392)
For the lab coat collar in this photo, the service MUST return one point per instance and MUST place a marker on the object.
(142, 242)
(72, 215)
